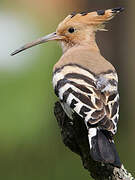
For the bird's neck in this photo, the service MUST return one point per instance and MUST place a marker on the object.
(88, 42)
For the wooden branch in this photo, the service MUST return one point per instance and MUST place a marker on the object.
(74, 136)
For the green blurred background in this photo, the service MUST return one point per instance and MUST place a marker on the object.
(30, 141)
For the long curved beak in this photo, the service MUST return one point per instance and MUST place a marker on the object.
(49, 37)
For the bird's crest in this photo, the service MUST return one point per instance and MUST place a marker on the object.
(94, 19)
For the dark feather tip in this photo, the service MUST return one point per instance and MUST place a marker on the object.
(117, 9)
(83, 13)
(73, 14)
(100, 12)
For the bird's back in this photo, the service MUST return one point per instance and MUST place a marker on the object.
(82, 75)
(86, 57)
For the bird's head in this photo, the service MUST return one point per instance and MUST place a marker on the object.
(77, 29)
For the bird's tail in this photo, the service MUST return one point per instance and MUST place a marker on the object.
(102, 148)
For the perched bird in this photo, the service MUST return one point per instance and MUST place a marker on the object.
(85, 82)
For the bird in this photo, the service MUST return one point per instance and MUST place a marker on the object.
(85, 82)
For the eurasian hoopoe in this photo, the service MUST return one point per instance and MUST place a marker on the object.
(85, 82)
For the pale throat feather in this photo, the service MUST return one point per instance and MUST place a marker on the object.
(65, 46)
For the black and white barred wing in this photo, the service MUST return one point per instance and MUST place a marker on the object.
(94, 98)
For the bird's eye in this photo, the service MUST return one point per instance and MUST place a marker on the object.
(71, 30)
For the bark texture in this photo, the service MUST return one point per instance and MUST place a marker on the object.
(74, 136)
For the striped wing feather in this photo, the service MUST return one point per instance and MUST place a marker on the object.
(94, 98)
